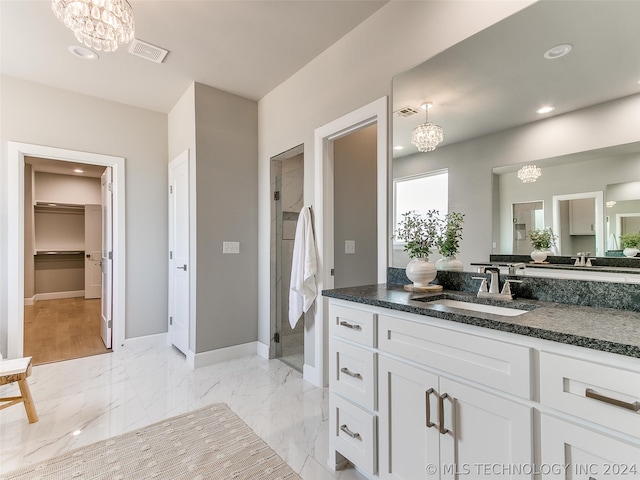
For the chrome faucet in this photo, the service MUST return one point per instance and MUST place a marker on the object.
(492, 289)
(583, 259)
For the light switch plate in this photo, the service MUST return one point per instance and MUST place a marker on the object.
(230, 247)
(349, 246)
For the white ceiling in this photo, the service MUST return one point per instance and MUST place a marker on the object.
(497, 78)
(242, 47)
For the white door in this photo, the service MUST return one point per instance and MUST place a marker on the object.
(92, 251)
(486, 434)
(179, 252)
(408, 421)
(107, 257)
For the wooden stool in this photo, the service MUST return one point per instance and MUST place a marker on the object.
(17, 370)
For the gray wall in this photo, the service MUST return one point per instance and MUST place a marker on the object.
(33, 113)
(227, 203)
(355, 200)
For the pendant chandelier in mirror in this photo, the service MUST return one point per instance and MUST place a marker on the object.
(427, 136)
(529, 173)
(98, 24)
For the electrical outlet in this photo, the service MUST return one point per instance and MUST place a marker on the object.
(230, 247)
(349, 246)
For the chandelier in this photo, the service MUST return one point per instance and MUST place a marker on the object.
(427, 136)
(611, 203)
(99, 24)
(529, 173)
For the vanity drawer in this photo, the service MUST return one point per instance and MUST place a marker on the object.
(353, 433)
(501, 365)
(353, 324)
(353, 373)
(596, 392)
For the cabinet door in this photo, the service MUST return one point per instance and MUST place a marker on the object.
(585, 454)
(582, 216)
(488, 436)
(406, 444)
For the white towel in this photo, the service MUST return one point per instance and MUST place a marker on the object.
(304, 266)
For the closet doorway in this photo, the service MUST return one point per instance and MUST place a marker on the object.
(19, 254)
(287, 180)
(65, 209)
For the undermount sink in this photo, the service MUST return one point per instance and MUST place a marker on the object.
(477, 307)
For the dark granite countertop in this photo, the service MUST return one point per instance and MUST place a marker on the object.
(592, 268)
(606, 329)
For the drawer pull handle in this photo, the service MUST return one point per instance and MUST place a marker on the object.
(346, 371)
(350, 325)
(590, 393)
(346, 430)
(427, 394)
(441, 413)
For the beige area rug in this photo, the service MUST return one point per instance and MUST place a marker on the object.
(208, 444)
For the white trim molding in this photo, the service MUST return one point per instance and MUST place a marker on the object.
(202, 359)
(374, 113)
(57, 295)
(15, 235)
(262, 350)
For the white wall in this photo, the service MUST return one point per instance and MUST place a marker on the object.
(353, 72)
(72, 189)
(41, 115)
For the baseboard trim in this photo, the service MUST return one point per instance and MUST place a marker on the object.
(58, 295)
(262, 350)
(211, 357)
(311, 375)
(29, 301)
(159, 339)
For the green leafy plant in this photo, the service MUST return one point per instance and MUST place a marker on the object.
(630, 240)
(419, 232)
(450, 234)
(542, 239)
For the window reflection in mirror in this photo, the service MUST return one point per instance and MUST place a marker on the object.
(622, 212)
(420, 193)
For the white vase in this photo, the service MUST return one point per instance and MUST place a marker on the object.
(539, 256)
(630, 252)
(421, 271)
(449, 264)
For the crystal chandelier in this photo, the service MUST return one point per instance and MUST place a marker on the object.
(529, 173)
(427, 136)
(99, 24)
(611, 203)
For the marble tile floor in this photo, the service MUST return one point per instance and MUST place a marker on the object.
(85, 400)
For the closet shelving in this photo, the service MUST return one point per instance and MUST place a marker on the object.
(59, 229)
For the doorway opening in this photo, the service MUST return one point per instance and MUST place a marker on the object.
(287, 187)
(19, 252)
(63, 266)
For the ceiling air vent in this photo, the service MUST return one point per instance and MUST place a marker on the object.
(147, 51)
(406, 111)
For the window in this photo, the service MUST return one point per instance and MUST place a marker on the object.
(429, 191)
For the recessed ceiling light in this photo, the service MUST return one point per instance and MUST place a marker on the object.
(546, 109)
(558, 51)
(398, 147)
(76, 432)
(83, 52)
(78, 170)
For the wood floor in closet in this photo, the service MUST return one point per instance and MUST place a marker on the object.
(63, 329)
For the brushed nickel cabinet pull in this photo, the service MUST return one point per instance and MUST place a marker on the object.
(346, 430)
(346, 371)
(350, 325)
(441, 413)
(590, 393)
(427, 394)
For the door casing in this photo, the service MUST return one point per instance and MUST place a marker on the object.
(15, 235)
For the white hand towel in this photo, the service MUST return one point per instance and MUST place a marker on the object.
(304, 266)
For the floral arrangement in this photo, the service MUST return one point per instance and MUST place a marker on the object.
(542, 239)
(424, 232)
(450, 234)
(420, 232)
(630, 240)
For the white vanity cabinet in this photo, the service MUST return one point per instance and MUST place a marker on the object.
(434, 423)
(414, 397)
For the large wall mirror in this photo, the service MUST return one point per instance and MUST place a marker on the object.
(486, 92)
